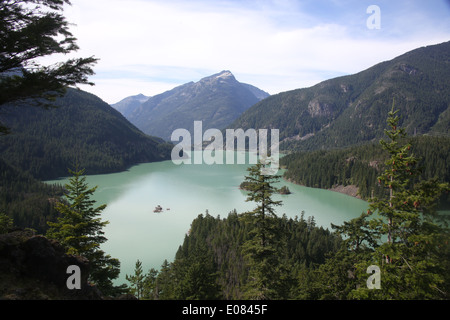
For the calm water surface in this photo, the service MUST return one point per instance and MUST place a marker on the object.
(136, 232)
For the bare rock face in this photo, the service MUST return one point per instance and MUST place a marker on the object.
(36, 268)
(320, 109)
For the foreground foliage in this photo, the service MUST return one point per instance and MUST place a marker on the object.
(79, 228)
(31, 29)
(258, 255)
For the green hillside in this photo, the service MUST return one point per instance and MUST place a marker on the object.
(82, 130)
(352, 109)
(29, 202)
(360, 166)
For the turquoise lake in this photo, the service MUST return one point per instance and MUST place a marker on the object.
(135, 231)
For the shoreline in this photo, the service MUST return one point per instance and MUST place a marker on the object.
(350, 190)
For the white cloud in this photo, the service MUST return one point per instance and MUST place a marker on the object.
(145, 46)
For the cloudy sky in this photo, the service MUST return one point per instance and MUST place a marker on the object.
(150, 46)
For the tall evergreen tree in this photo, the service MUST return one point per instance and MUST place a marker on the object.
(165, 282)
(261, 190)
(79, 230)
(336, 278)
(414, 256)
(149, 289)
(137, 280)
(263, 249)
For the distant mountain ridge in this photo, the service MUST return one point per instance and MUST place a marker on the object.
(128, 105)
(352, 110)
(217, 100)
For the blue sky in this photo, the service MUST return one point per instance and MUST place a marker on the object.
(149, 47)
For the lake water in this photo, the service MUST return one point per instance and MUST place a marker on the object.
(185, 191)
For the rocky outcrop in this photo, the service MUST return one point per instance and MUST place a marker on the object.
(36, 268)
(320, 109)
(350, 190)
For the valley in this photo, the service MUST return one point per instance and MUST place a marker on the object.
(352, 110)
(136, 232)
(189, 221)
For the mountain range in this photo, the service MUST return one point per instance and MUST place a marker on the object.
(217, 100)
(129, 104)
(352, 110)
(82, 130)
(336, 113)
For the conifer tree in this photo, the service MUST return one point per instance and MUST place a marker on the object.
(137, 280)
(149, 289)
(401, 233)
(414, 256)
(79, 230)
(336, 278)
(165, 282)
(359, 234)
(262, 249)
(5, 223)
(31, 29)
(261, 190)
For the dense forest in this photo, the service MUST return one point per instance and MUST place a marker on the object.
(309, 263)
(360, 166)
(29, 202)
(210, 264)
(397, 249)
(351, 110)
(258, 255)
(79, 129)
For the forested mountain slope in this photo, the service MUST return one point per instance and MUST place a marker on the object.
(360, 166)
(29, 202)
(82, 130)
(353, 109)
